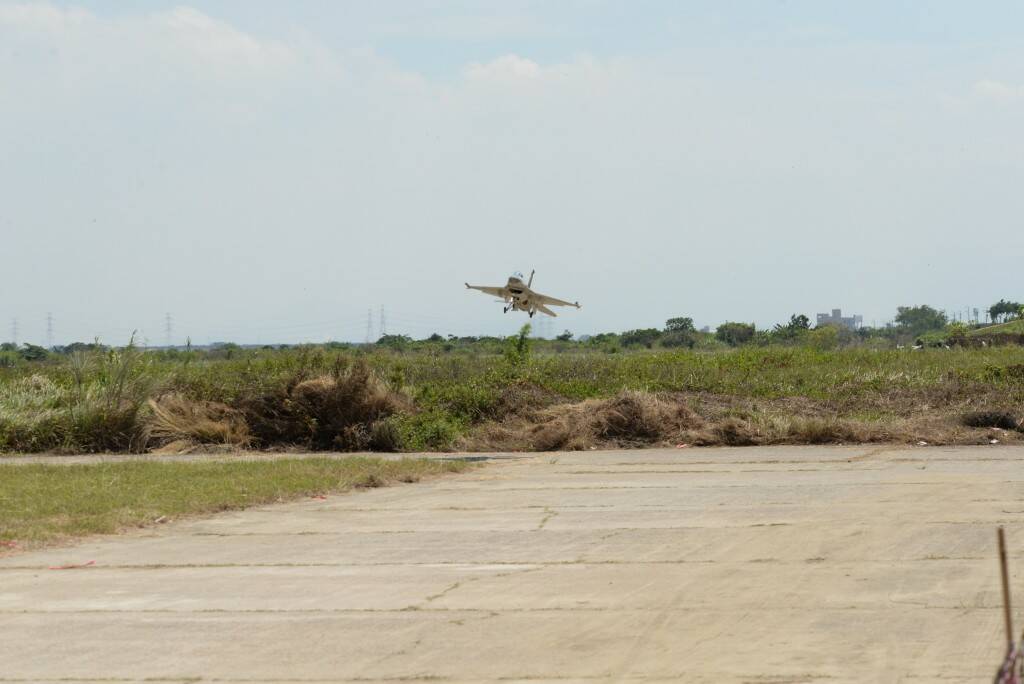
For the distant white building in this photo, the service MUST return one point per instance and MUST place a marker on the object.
(837, 318)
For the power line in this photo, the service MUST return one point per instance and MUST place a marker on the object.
(329, 324)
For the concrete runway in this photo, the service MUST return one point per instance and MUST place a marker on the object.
(788, 564)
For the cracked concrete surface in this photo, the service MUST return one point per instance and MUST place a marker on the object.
(783, 564)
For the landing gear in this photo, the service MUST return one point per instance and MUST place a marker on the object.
(531, 313)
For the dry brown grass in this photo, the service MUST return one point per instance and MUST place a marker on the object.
(350, 410)
(175, 419)
(524, 399)
(636, 419)
(346, 411)
(629, 419)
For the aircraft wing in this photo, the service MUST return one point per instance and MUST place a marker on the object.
(551, 301)
(546, 310)
(496, 291)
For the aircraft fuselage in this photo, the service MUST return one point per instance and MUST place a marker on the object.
(519, 296)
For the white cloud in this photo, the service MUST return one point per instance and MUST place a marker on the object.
(42, 17)
(181, 37)
(214, 42)
(492, 23)
(504, 68)
(582, 74)
(997, 90)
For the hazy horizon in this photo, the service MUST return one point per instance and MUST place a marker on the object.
(267, 172)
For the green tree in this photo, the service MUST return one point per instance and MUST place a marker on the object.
(396, 342)
(799, 322)
(920, 319)
(679, 332)
(81, 347)
(1004, 310)
(645, 337)
(565, 336)
(607, 342)
(603, 338)
(797, 326)
(680, 324)
(32, 352)
(735, 334)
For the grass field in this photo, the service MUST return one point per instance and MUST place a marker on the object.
(46, 503)
(319, 398)
(1015, 327)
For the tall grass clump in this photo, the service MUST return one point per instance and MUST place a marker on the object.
(341, 411)
(95, 405)
(176, 420)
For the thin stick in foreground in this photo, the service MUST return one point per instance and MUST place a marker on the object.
(1007, 611)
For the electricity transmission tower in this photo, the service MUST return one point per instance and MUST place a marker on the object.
(14, 331)
(168, 328)
(49, 330)
(369, 325)
(383, 324)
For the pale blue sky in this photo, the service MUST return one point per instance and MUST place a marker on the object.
(268, 171)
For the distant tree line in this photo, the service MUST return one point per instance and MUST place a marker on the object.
(1003, 311)
(918, 325)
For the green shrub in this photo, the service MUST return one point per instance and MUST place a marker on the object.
(517, 347)
(735, 334)
(824, 338)
(428, 431)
